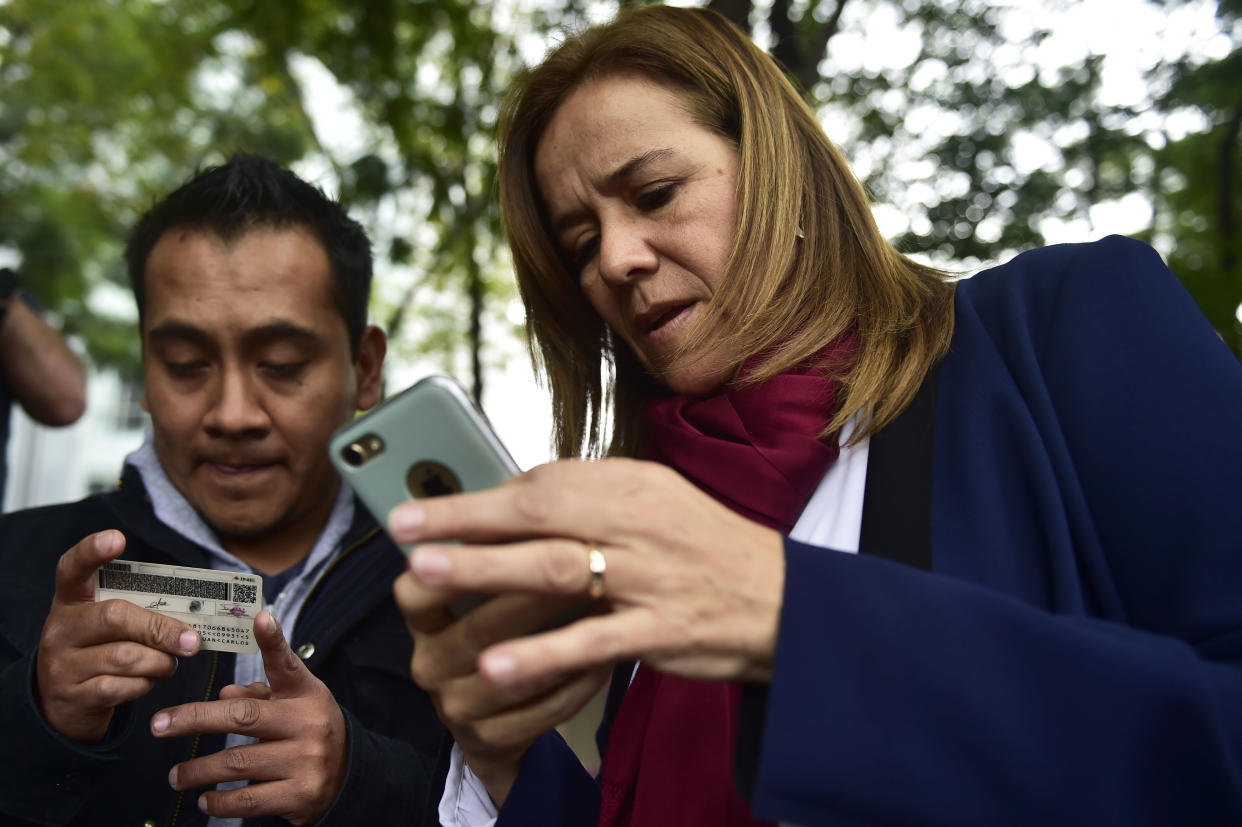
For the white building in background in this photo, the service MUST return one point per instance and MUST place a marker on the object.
(52, 465)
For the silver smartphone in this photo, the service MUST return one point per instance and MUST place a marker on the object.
(429, 440)
(426, 441)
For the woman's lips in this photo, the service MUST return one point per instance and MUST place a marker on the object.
(651, 323)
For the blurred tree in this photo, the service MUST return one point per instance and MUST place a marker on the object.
(971, 148)
(105, 104)
(1199, 197)
(108, 103)
(427, 77)
(958, 84)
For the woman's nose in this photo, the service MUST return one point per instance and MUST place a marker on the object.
(625, 251)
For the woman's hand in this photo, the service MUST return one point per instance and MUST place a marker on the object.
(494, 726)
(690, 587)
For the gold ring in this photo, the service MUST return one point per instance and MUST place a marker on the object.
(597, 566)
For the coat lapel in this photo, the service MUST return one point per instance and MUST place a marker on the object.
(896, 518)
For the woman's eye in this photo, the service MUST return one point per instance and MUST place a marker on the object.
(656, 197)
(585, 251)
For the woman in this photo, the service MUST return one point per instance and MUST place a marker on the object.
(1053, 442)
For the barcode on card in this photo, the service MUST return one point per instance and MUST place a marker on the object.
(129, 581)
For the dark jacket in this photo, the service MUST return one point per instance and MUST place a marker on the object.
(349, 633)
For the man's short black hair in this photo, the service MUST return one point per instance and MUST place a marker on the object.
(252, 192)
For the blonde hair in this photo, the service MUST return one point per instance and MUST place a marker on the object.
(808, 263)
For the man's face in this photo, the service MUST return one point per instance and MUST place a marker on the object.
(248, 373)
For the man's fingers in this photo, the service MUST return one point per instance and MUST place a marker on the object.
(76, 568)
(279, 798)
(264, 761)
(284, 669)
(258, 691)
(241, 715)
(110, 691)
(125, 658)
(119, 620)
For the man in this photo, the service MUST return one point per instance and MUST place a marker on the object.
(252, 292)
(37, 369)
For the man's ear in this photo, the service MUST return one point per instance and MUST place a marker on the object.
(369, 369)
(143, 402)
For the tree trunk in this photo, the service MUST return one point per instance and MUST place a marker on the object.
(798, 47)
(475, 287)
(736, 10)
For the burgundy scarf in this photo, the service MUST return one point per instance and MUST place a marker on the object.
(670, 754)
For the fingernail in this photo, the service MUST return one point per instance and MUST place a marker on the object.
(405, 522)
(498, 667)
(104, 542)
(172, 778)
(202, 803)
(430, 565)
(189, 642)
(160, 722)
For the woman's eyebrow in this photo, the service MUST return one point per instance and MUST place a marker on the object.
(636, 163)
(612, 179)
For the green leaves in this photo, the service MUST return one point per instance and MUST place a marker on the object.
(975, 148)
(1023, 147)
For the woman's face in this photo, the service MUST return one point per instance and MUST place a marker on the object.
(643, 201)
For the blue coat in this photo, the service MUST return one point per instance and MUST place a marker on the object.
(1072, 477)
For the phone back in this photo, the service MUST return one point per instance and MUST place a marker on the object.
(428, 440)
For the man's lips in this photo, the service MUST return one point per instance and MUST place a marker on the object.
(238, 467)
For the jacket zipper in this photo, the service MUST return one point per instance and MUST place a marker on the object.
(348, 550)
(211, 681)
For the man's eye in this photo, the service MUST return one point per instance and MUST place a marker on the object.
(182, 370)
(656, 197)
(283, 370)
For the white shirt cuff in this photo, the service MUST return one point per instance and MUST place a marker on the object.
(465, 802)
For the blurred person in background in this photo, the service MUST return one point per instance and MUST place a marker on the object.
(38, 371)
(252, 291)
(889, 548)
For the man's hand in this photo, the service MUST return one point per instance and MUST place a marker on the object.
(298, 766)
(93, 656)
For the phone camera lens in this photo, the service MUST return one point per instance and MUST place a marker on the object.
(357, 454)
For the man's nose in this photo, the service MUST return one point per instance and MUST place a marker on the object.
(238, 406)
